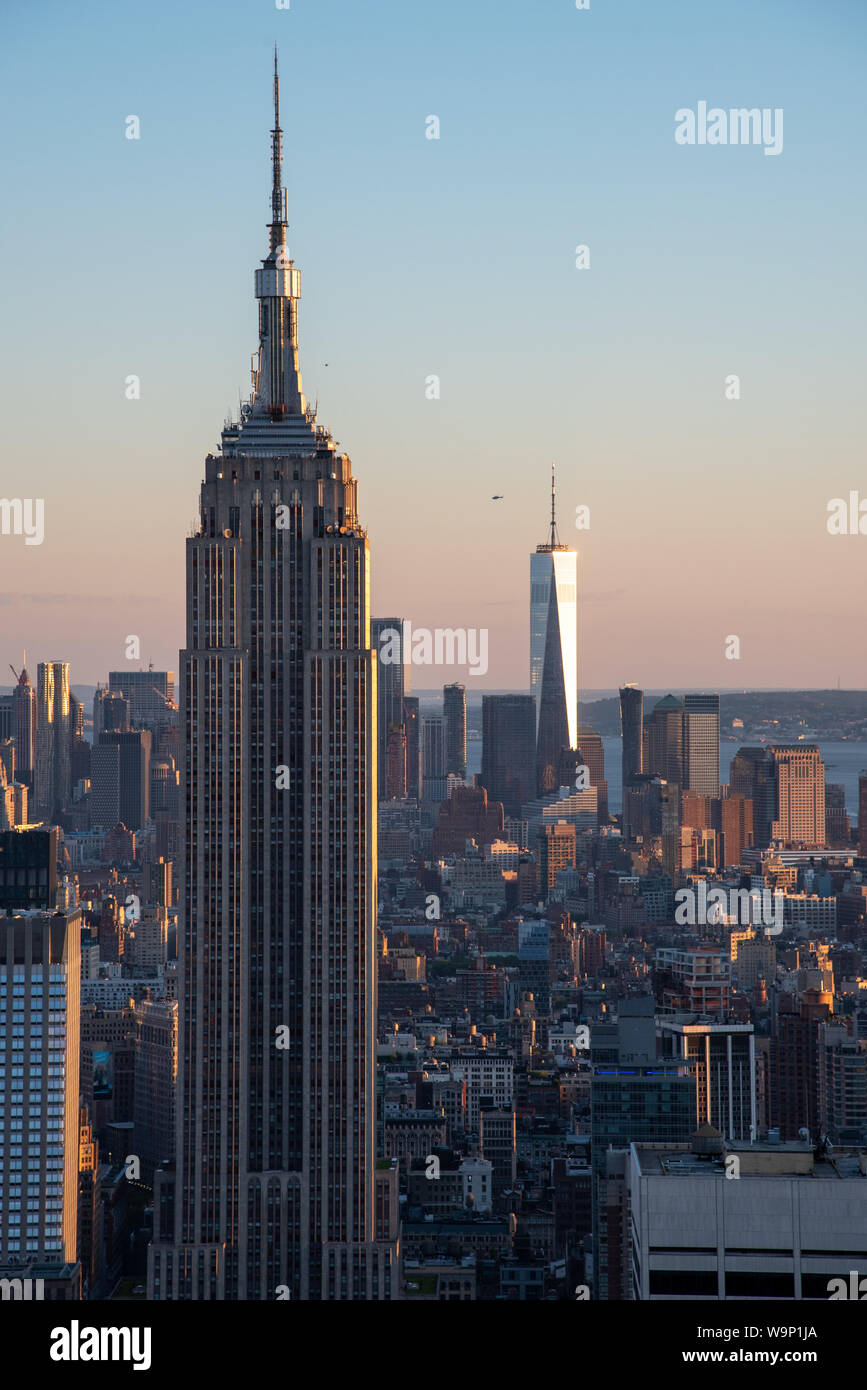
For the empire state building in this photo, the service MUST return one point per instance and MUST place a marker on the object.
(274, 1191)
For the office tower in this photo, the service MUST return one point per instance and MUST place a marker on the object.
(736, 829)
(28, 869)
(146, 950)
(13, 795)
(636, 797)
(76, 720)
(165, 812)
(108, 1058)
(110, 930)
(386, 638)
(489, 1077)
(433, 757)
(699, 812)
(800, 794)
(534, 964)
(786, 783)
(836, 819)
(638, 801)
(635, 1096)
(795, 1063)
(119, 846)
(669, 827)
(516, 831)
(7, 758)
(862, 813)
(664, 741)
(701, 744)
(164, 791)
(24, 723)
(651, 807)
(756, 960)
(158, 880)
(52, 776)
(724, 1058)
(7, 727)
(591, 754)
(572, 1200)
(273, 1192)
(150, 695)
(842, 1085)
(556, 851)
(120, 779)
(554, 652)
(412, 726)
(509, 750)
(752, 776)
(730, 818)
(79, 748)
(498, 1144)
(40, 983)
(467, 815)
(631, 731)
(91, 1230)
(694, 1234)
(155, 1089)
(110, 713)
(455, 715)
(395, 764)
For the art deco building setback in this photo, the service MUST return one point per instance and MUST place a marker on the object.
(273, 1190)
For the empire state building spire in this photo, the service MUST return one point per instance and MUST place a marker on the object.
(279, 214)
(277, 391)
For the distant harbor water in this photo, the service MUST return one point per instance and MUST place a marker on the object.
(843, 762)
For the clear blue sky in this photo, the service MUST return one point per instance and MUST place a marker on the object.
(454, 257)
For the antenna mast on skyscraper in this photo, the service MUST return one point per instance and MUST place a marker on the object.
(279, 209)
(555, 539)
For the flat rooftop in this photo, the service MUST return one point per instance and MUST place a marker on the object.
(765, 1161)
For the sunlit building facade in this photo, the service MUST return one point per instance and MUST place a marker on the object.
(272, 1194)
(554, 653)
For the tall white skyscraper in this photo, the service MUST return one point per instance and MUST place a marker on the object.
(40, 984)
(554, 652)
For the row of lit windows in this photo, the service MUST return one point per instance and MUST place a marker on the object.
(35, 988)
